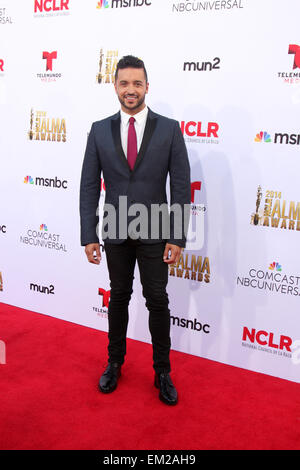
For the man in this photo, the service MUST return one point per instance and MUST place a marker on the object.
(136, 149)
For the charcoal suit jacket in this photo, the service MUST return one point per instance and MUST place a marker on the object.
(162, 153)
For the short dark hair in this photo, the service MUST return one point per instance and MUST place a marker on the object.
(130, 61)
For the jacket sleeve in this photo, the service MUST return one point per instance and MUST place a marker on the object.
(180, 189)
(90, 187)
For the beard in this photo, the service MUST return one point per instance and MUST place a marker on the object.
(132, 107)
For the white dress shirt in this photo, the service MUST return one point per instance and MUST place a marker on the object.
(139, 124)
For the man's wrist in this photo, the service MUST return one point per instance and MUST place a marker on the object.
(177, 243)
(90, 243)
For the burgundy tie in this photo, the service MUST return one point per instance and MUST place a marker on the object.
(131, 144)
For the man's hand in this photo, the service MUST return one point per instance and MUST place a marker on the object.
(92, 252)
(175, 253)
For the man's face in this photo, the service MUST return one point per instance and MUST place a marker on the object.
(131, 88)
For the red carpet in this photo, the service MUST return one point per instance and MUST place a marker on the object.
(50, 400)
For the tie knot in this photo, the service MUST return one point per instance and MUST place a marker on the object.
(131, 120)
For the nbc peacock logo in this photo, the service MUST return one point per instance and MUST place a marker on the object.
(28, 180)
(102, 4)
(43, 228)
(263, 137)
(275, 267)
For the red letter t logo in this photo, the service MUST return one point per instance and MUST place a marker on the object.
(106, 296)
(195, 186)
(49, 56)
(294, 49)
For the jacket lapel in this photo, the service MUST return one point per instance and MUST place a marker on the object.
(116, 133)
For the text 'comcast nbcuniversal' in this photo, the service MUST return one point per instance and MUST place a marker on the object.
(43, 238)
(272, 280)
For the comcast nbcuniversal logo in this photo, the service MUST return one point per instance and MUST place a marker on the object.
(43, 238)
(270, 280)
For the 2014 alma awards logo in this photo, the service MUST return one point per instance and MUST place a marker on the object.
(107, 66)
(191, 267)
(43, 128)
(275, 212)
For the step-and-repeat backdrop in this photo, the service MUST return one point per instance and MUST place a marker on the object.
(229, 72)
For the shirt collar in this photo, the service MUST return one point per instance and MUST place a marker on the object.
(139, 117)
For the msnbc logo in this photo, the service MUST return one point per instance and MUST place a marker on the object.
(44, 227)
(28, 179)
(102, 4)
(263, 137)
(275, 267)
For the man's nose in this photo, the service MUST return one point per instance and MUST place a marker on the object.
(131, 89)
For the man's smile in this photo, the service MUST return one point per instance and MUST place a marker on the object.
(131, 98)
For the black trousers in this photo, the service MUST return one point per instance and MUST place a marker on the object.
(121, 260)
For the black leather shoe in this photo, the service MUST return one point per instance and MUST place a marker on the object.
(168, 393)
(109, 379)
